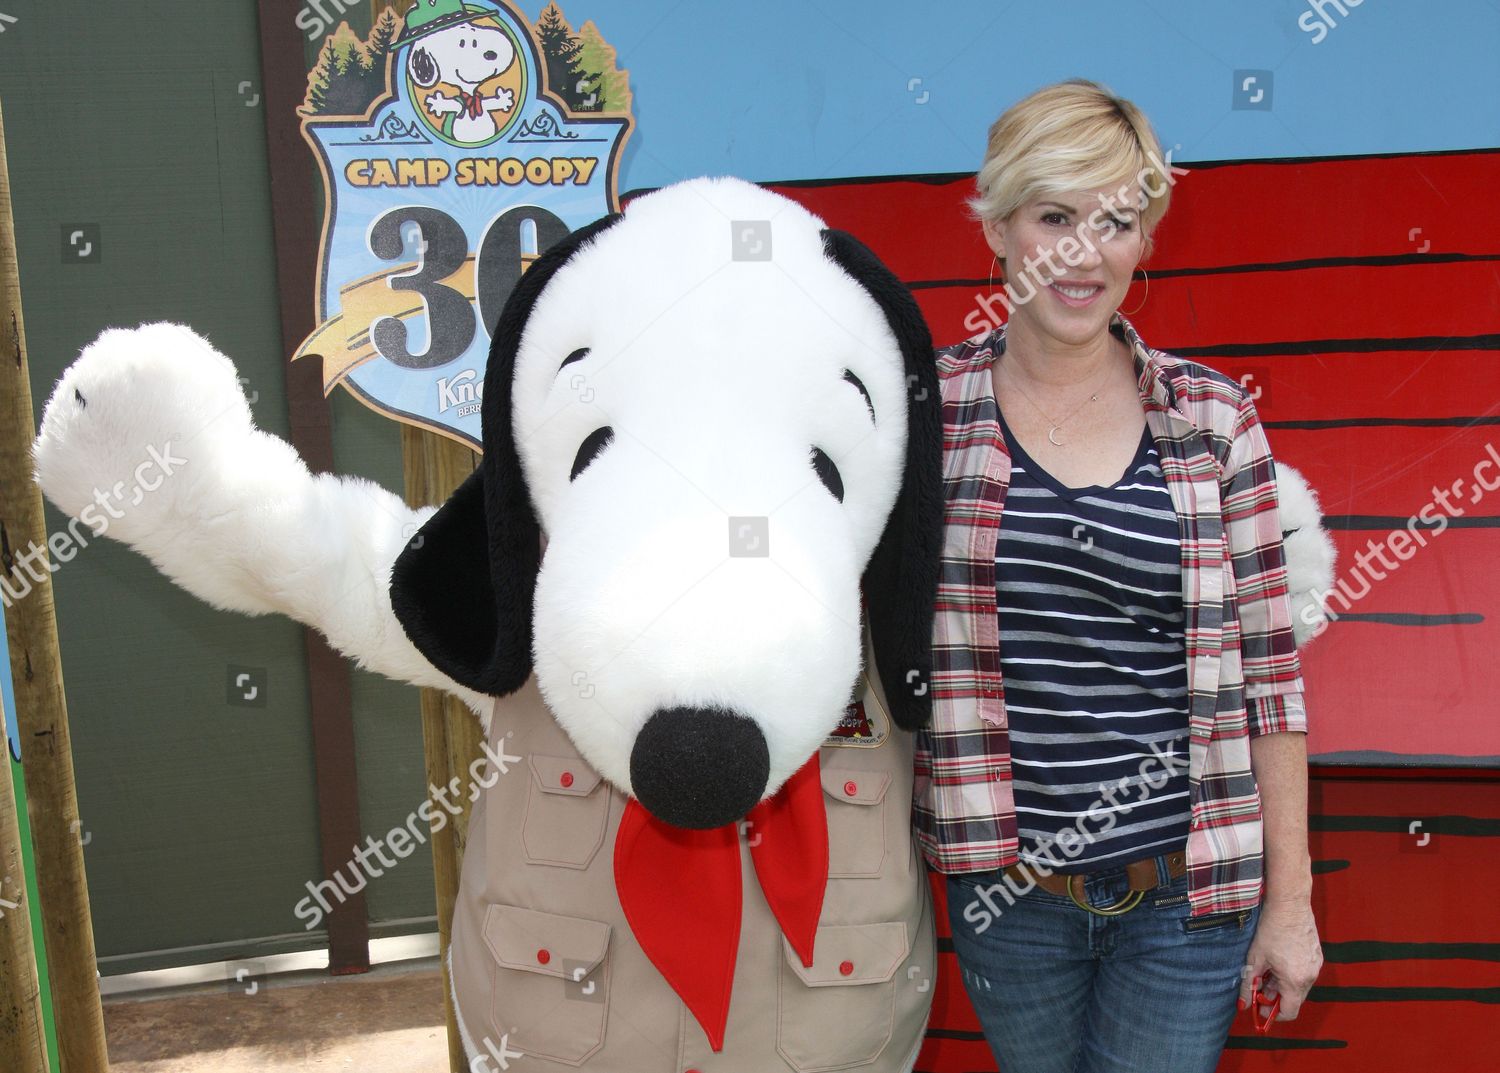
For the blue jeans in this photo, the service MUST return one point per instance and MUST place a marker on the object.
(1061, 990)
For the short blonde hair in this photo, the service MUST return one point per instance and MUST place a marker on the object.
(1070, 136)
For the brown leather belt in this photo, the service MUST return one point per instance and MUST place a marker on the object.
(1142, 876)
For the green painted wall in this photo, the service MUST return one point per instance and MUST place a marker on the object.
(200, 817)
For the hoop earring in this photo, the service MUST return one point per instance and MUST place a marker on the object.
(994, 264)
(1147, 291)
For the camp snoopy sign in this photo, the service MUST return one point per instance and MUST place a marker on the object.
(456, 143)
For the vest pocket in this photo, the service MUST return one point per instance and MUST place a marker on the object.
(855, 803)
(551, 981)
(567, 811)
(841, 1010)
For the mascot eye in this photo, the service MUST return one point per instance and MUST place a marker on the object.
(590, 448)
(828, 473)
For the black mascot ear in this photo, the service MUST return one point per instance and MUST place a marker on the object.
(900, 582)
(463, 587)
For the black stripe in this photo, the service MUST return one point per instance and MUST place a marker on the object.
(1322, 868)
(1489, 341)
(1346, 763)
(1273, 1043)
(953, 1033)
(1371, 261)
(1464, 826)
(1358, 950)
(1401, 618)
(1488, 995)
(1392, 521)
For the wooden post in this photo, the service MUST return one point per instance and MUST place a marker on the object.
(330, 696)
(23, 1043)
(41, 709)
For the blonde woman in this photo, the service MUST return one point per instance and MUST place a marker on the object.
(1115, 778)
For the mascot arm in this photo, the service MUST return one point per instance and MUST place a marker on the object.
(148, 439)
(1310, 554)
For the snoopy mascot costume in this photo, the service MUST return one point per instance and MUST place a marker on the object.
(690, 584)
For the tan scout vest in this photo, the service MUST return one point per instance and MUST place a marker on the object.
(544, 962)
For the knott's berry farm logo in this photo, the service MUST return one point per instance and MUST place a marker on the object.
(456, 144)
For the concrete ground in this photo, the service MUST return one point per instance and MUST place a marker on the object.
(387, 1021)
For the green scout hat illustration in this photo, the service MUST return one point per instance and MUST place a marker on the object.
(429, 16)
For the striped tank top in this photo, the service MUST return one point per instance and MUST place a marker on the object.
(1092, 656)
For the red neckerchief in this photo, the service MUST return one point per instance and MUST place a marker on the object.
(474, 104)
(681, 889)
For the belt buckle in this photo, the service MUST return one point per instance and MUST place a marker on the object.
(1131, 899)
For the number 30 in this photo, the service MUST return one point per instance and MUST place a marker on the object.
(442, 248)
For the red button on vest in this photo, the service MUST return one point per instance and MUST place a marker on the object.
(850, 789)
(544, 955)
(566, 779)
(846, 967)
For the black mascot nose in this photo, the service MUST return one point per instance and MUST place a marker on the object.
(491, 55)
(699, 767)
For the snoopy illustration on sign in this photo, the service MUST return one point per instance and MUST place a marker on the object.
(450, 48)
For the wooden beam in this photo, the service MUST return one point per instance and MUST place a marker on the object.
(41, 708)
(295, 223)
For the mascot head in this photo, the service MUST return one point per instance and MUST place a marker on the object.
(712, 451)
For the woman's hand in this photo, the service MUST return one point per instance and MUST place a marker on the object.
(1285, 955)
(1284, 958)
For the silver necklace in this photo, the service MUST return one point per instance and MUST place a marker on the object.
(1055, 423)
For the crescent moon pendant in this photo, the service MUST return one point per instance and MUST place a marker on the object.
(1052, 437)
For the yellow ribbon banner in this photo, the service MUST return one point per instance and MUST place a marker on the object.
(343, 341)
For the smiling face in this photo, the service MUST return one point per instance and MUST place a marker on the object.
(711, 481)
(1069, 257)
(465, 55)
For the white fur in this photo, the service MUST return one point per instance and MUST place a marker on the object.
(1310, 553)
(242, 523)
(718, 376)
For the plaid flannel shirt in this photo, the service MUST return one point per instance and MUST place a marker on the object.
(1244, 677)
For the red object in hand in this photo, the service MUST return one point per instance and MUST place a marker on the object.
(1256, 998)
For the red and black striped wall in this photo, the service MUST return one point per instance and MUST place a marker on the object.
(1361, 297)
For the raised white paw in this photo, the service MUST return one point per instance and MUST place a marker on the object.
(134, 424)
